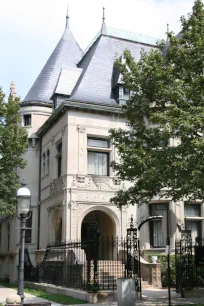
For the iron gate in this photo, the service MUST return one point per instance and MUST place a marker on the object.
(133, 268)
(184, 262)
(189, 260)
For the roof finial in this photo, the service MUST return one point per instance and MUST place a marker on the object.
(103, 14)
(13, 94)
(103, 28)
(67, 18)
(167, 32)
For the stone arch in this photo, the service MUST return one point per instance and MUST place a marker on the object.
(111, 214)
(57, 225)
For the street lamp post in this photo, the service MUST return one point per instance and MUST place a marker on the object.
(23, 208)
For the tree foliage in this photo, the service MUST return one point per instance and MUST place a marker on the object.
(162, 150)
(13, 140)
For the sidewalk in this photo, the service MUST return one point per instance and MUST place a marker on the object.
(151, 297)
(5, 292)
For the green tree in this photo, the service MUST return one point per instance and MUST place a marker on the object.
(13, 139)
(162, 150)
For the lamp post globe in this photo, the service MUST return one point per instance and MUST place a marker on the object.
(23, 207)
(23, 200)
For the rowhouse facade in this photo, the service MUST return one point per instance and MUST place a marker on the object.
(68, 112)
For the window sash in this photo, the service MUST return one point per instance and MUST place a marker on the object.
(158, 209)
(27, 120)
(98, 163)
(158, 236)
(195, 228)
(98, 142)
(192, 210)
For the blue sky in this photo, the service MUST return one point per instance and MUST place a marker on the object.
(30, 29)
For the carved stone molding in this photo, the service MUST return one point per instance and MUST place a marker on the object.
(81, 128)
(81, 181)
(73, 205)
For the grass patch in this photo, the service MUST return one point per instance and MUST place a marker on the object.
(57, 298)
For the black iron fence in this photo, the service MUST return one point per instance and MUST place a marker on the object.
(189, 260)
(92, 265)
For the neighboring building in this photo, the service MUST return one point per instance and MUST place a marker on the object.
(68, 112)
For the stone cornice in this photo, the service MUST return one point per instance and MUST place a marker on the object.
(90, 107)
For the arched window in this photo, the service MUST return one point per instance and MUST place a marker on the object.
(48, 162)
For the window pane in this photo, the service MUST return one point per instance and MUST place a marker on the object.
(59, 161)
(27, 120)
(195, 228)
(97, 163)
(100, 143)
(159, 238)
(158, 209)
(192, 210)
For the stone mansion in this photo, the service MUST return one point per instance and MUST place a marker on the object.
(68, 112)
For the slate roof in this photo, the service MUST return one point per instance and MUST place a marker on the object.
(95, 83)
(66, 55)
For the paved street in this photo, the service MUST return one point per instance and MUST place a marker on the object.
(151, 297)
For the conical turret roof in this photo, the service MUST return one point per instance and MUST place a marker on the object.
(66, 55)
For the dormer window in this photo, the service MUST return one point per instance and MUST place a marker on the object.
(27, 120)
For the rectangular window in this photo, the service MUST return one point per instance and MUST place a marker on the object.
(192, 210)
(98, 159)
(97, 163)
(157, 236)
(28, 232)
(195, 228)
(27, 120)
(59, 159)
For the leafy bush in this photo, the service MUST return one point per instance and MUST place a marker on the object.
(162, 259)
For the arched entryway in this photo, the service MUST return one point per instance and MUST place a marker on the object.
(105, 224)
(107, 229)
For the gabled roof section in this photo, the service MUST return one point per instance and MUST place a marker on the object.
(66, 55)
(95, 83)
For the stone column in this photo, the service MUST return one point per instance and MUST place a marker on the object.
(81, 149)
(64, 221)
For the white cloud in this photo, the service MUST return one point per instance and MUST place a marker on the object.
(30, 29)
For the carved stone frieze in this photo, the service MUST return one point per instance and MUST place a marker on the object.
(93, 197)
(97, 182)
